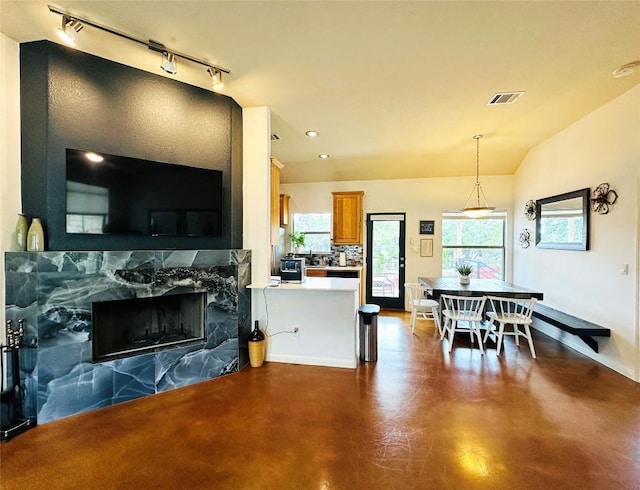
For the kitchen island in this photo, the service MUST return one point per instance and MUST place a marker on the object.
(324, 310)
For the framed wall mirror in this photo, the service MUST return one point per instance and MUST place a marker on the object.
(562, 221)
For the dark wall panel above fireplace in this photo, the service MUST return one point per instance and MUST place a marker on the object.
(70, 99)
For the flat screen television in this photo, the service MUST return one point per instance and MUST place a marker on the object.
(111, 194)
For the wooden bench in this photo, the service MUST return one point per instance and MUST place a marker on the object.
(577, 326)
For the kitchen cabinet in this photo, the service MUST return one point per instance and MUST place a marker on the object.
(347, 217)
(284, 209)
(275, 201)
(316, 272)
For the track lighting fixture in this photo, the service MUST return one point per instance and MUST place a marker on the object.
(216, 78)
(71, 24)
(69, 28)
(169, 63)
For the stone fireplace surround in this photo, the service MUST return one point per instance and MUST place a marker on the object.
(54, 291)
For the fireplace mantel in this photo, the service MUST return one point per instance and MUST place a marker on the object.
(54, 291)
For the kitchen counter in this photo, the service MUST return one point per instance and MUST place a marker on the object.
(336, 271)
(324, 310)
(313, 284)
(336, 267)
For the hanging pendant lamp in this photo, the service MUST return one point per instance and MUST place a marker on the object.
(477, 210)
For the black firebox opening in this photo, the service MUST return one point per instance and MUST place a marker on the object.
(128, 327)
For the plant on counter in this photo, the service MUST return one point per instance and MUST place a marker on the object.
(298, 239)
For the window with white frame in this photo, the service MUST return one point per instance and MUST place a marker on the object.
(317, 230)
(479, 242)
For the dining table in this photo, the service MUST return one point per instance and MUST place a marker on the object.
(438, 286)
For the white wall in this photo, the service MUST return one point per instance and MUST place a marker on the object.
(256, 203)
(10, 204)
(602, 147)
(256, 190)
(420, 199)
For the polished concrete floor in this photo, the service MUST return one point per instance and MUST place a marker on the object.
(418, 418)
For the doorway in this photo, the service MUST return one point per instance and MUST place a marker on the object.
(385, 259)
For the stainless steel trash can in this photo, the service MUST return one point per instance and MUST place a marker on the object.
(368, 332)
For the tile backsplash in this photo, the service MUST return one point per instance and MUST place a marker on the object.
(354, 255)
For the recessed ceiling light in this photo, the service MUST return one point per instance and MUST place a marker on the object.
(312, 134)
(324, 156)
(625, 70)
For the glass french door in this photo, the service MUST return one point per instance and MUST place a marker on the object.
(385, 259)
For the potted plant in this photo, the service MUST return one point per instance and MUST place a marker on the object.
(465, 269)
(297, 240)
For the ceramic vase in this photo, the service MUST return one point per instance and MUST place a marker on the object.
(256, 346)
(35, 236)
(465, 280)
(22, 228)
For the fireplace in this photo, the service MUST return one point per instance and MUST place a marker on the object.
(128, 327)
(62, 296)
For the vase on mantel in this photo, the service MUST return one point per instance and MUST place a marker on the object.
(22, 228)
(256, 346)
(35, 236)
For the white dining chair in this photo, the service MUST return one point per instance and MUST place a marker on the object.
(422, 308)
(514, 312)
(462, 314)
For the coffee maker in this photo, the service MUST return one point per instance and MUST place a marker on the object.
(292, 270)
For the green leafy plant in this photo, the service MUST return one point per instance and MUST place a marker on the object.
(464, 269)
(297, 239)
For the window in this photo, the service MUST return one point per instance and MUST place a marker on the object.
(317, 230)
(477, 241)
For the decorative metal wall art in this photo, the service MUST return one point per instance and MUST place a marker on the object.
(530, 210)
(602, 198)
(525, 238)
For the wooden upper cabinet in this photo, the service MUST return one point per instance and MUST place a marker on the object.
(275, 200)
(347, 217)
(284, 209)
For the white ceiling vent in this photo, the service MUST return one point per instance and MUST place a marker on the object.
(503, 98)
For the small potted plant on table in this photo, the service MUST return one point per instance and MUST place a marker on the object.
(465, 269)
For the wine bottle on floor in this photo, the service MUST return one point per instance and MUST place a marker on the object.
(256, 346)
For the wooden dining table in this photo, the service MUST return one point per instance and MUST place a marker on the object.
(438, 286)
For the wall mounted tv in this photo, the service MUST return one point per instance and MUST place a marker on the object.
(110, 194)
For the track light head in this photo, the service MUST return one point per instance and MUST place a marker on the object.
(69, 28)
(169, 63)
(216, 78)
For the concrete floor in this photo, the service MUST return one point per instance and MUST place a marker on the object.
(418, 418)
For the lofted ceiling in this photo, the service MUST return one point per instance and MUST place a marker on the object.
(396, 89)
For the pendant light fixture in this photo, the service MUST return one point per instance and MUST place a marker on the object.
(476, 210)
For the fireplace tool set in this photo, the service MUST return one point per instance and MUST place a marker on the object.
(13, 422)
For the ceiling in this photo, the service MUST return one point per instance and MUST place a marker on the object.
(396, 89)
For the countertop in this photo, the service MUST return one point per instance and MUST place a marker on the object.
(312, 284)
(335, 267)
